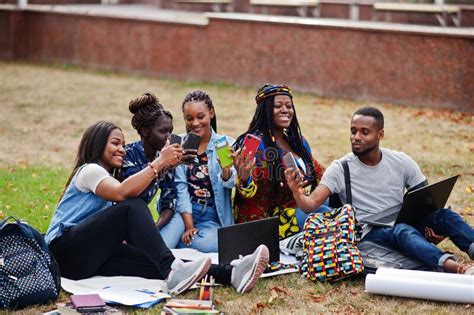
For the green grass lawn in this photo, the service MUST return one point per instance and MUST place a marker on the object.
(45, 109)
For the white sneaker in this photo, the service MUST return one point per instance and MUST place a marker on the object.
(183, 275)
(248, 269)
(292, 245)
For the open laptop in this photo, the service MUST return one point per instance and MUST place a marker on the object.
(244, 238)
(416, 204)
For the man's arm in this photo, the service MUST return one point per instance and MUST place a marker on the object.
(306, 203)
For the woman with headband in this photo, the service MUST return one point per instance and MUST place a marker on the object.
(261, 187)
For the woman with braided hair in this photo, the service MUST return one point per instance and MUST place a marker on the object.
(203, 187)
(261, 187)
(154, 124)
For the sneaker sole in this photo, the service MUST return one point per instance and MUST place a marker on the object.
(257, 270)
(184, 285)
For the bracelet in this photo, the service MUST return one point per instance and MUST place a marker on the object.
(247, 192)
(155, 171)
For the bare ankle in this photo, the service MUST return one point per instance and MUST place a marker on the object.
(451, 266)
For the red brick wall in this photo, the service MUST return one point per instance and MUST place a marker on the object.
(400, 67)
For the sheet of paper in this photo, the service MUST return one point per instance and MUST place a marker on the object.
(132, 291)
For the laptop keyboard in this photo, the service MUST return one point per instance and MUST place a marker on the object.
(389, 218)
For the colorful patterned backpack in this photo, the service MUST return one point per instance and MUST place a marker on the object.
(329, 250)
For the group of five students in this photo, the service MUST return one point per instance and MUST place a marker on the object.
(102, 225)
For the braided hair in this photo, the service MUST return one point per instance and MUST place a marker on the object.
(146, 110)
(262, 122)
(201, 96)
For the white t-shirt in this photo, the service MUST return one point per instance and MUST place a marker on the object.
(374, 188)
(89, 177)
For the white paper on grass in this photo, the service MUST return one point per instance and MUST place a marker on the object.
(132, 291)
(419, 288)
(428, 275)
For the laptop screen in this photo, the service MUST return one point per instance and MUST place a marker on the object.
(244, 238)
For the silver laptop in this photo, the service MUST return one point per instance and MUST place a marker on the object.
(416, 204)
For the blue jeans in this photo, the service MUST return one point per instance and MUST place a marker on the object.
(173, 230)
(411, 240)
(207, 222)
(301, 215)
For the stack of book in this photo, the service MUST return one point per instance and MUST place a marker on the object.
(178, 306)
(85, 304)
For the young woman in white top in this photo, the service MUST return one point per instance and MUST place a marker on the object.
(99, 228)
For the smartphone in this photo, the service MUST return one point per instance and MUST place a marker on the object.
(290, 162)
(224, 152)
(250, 146)
(192, 141)
(175, 139)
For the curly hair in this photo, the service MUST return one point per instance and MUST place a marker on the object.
(146, 110)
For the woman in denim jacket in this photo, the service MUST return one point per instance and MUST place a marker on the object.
(203, 187)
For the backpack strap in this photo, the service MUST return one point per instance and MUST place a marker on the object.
(347, 180)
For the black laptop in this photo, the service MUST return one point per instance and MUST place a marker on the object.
(416, 204)
(244, 238)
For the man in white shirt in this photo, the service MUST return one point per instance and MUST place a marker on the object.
(379, 178)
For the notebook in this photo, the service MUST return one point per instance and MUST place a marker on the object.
(244, 238)
(87, 303)
(416, 204)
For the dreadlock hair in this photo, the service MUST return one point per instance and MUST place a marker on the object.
(201, 96)
(91, 147)
(262, 122)
(373, 112)
(146, 110)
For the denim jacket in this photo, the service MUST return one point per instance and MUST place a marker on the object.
(222, 189)
(134, 162)
(75, 206)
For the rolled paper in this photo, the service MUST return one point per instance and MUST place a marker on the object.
(412, 287)
(428, 275)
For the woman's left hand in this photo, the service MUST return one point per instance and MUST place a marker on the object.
(244, 165)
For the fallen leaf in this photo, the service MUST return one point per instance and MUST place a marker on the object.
(258, 307)
(273, 296)
(282, 290)
(2, 215)
(318, 297)
(469, 189)
(342, 309)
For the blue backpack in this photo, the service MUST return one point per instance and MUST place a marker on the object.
(29, 274)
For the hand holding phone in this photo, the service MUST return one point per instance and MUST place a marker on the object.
(224, 152)
(250, 146)
(192, 141)
(290, 162)
(175, 139)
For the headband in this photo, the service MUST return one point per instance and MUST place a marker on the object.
(270, 90)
